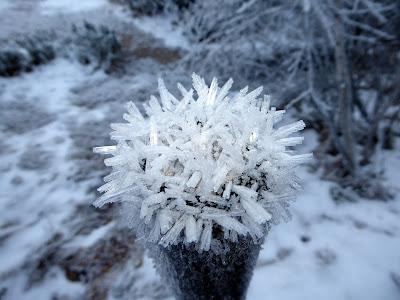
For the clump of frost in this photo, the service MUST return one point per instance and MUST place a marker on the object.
(211, 162)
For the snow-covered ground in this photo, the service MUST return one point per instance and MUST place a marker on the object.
(330, 251)
(54, 245)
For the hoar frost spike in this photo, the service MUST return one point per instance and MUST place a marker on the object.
(209, 162)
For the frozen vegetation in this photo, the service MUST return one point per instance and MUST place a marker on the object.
(197, 168)
(342, 243)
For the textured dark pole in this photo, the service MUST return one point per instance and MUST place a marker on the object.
(193, 275)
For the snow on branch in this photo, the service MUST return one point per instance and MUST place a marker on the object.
(211, 162)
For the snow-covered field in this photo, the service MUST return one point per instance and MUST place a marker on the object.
(54, 245)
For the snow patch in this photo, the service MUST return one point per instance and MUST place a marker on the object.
(342, 251)
(162, 28)
(5, 4)
(70, 6)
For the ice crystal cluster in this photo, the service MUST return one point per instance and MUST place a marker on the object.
(212, 163)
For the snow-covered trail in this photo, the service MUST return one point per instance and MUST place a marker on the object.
(47, 180)
(37, 194)
(53, 243)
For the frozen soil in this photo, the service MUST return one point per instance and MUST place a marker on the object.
(55, 245)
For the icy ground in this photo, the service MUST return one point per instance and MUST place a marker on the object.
(54, 245)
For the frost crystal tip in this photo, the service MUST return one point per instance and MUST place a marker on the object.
(209, 163)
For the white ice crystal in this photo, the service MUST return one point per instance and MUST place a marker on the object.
(202, 164)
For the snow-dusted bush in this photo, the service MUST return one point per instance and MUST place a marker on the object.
(202, 164)
(211, 21)
(245, 39)
(154, 7)
(143, 7)
(98, 46)
(225, 60)
(26, 52)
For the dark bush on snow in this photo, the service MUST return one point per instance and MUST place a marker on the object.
(90, 44)
(154, 7)
(98, 46)
(26, 52)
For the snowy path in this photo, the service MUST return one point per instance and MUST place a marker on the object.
(40, 193)
(37, 193)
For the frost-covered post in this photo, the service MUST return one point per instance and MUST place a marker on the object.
(202, 180)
